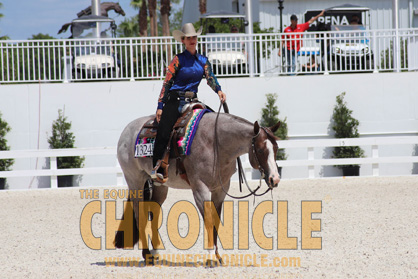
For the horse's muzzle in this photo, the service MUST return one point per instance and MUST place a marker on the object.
(273, 180)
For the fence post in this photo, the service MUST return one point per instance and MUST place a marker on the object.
(375, 154)
(131, 59)
(261, 60)
(65, 63)
(311, 168)
(53, 166)
(325, 38)
(376, 53)
(119, 175)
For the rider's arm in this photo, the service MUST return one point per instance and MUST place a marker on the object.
(210, 78)
(168, 82)
(213, 82)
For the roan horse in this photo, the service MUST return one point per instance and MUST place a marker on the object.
(209, 166)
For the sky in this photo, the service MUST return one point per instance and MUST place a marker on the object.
(24, 18)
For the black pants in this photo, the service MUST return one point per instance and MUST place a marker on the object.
(168, 119)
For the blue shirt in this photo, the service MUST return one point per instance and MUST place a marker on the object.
(185, 73)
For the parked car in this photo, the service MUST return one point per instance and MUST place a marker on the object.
(225, 45)
(350, 50)
(93, 58)
(226, 54)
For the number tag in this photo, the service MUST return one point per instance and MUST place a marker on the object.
(144, 149)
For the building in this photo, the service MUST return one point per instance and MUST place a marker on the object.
(267, 12)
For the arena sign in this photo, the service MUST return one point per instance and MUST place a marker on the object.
(331, 18)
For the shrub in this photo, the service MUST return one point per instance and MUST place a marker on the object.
(5, 164)
(269, 117)
(345, 126)
(62, 138)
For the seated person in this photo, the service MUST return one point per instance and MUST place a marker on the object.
(311, 66)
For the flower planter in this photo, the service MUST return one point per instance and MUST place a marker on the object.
(351, 171)
(65, 181)
(2, 183)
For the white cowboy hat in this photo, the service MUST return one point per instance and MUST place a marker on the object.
(186, 31)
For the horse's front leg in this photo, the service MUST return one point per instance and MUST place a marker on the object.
(218, 197)
(209, 203)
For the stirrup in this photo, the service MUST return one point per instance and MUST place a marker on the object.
(159, 177)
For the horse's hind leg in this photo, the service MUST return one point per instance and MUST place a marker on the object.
(156, 194)
(119, 242)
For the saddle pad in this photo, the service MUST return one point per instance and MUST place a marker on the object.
(184, 143)
(144, 146)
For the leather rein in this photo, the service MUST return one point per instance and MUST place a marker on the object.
(241, 175)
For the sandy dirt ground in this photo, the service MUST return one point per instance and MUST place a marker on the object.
(368, 229)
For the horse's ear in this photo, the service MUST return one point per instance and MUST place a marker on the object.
(275, 127)
(256, 128)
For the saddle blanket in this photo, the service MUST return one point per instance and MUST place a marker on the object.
(144, 146)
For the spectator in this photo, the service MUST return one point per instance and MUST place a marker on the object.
(211, 29)
(293, 42)
(355, 20)
(311, 66)
(234, 29)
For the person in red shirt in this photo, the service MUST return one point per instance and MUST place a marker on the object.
(292, 41)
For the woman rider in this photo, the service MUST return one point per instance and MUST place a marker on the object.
(182, 80)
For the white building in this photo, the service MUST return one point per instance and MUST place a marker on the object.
(267, 12)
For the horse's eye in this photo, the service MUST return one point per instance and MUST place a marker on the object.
(260, 151)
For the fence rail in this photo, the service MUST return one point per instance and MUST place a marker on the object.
(375, 160)
(147, 57)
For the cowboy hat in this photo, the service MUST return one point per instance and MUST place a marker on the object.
(186, 31)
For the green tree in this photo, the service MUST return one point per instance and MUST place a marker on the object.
(41, 36)
(270, 116)
(128, 27)
(1, 16)
(62, 138)
(5, 164)
(345, 126)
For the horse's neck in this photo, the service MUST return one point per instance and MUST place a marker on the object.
(235, 134)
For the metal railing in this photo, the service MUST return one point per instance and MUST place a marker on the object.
(146, 58)
(375, 160)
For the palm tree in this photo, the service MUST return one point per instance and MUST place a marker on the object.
(165, 13)
(141, 5)
(202, 6)
(152, 10)
(129, 27)
(1, 15)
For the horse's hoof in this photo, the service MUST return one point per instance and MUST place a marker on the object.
(212, 263)
(148, 257)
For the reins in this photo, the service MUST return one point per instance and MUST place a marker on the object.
(241, 174)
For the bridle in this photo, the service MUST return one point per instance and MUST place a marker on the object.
(241, 175)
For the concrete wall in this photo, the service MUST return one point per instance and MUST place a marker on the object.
(385, 104)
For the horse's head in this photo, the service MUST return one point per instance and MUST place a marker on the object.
(119, 10)
(263, 152)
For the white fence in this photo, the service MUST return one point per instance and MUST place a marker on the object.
(147, 57)
(375, 160)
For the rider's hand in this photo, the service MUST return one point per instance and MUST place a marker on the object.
(158, 115)
(222, 96)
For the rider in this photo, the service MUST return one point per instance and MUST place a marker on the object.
(183, 77)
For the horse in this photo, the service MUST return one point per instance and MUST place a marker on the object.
(105, 7)
(220, 139)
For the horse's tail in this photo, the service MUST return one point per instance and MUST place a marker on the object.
(119, 241)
